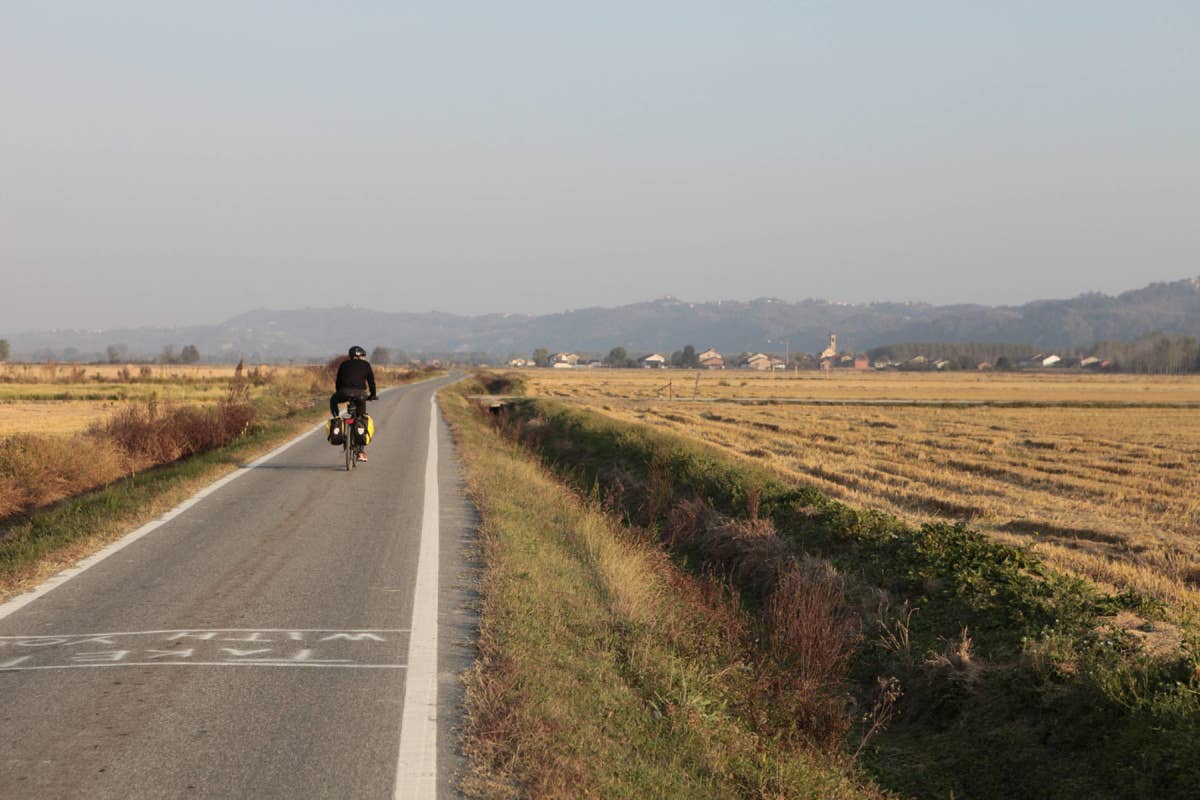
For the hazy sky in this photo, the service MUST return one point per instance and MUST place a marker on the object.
(179, 163)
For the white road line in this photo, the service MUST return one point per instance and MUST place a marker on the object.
(208, 630)
(416, 764)
(22, 600)
(246, 663)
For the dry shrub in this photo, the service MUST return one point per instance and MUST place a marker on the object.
(745, 550)
(749, 550)
(895, 629)
(296, 389)
(687, 520)
(956, 660)
(153, 438)
(39, 470)
(883, 709)
(133, 430)
(658, 494)
(811, 629)
(813, 633)
(717, 606)
(12, 496)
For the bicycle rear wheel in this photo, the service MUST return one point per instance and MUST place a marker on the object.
(349, 450)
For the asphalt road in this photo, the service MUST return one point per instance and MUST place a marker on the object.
(255, 645)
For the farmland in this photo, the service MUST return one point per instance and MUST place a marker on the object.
(990, 668)
(62, 400)
(1099, 472)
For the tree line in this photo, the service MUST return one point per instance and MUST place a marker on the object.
(1155, 353)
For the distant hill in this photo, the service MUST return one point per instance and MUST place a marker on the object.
(660, 325)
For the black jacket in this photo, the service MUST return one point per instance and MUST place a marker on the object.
(355, 375)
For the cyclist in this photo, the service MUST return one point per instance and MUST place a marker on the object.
(354, 377)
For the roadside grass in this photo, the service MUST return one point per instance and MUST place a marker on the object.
(1015, 678)
(604, 669)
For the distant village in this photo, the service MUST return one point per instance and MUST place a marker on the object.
(828, 359)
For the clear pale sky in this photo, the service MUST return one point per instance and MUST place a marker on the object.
(179, 163)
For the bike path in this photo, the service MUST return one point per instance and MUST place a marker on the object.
(253, 646)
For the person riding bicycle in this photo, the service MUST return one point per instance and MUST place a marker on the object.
(354, 377)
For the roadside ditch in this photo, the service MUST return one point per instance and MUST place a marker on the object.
(965, 665)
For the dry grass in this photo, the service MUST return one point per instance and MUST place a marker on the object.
(606, 671)
(119, 373)
(1111, 492)
(58, 418)
(38, 470)
(67, 399)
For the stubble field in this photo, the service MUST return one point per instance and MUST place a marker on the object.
(67, 399)
(68, 429)
(1099, 472)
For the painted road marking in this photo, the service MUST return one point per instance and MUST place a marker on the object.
(416, 763)
(361, 649)
(294, 633)
(242, 663)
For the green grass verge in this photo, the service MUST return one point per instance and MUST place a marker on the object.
(1055, 703)
(604, 670)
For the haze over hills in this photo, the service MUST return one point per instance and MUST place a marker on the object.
(659, 325)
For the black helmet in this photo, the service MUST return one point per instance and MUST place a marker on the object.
(357, 352)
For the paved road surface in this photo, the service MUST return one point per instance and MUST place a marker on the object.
(256, 645)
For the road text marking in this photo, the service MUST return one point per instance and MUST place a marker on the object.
(357, 649)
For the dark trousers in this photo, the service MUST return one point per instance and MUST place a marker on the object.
(356, 398)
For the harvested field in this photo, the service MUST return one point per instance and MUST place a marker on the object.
(116, 373)
(67, 399)
(62, 418)
(849, 385)
(1101, 471)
